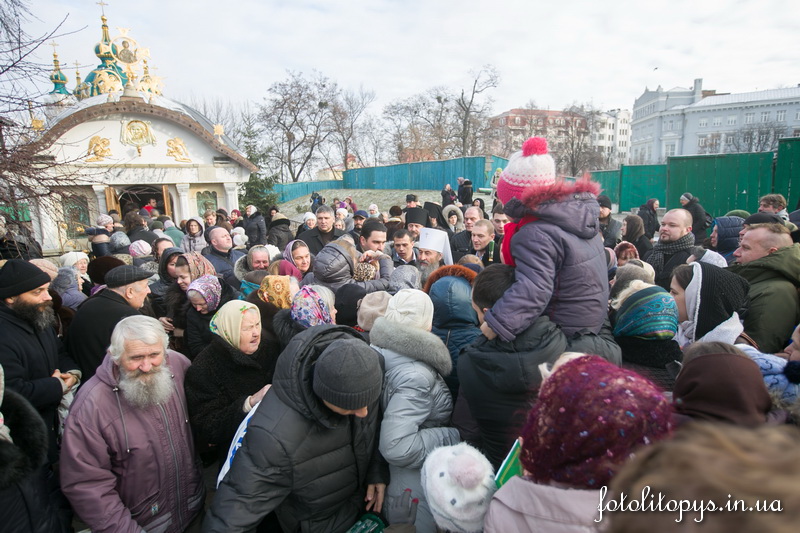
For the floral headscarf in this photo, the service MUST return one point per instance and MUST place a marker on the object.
(227, 322)
(209, 288)
(199, 265)
(308, 308)
(275, 290)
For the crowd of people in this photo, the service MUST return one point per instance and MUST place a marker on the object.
(393, 370)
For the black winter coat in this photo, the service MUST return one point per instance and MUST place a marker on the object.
(298, 458)
(279, 233)
(664, 276)
(29, 358)
(256, 229)
(90, 332)
(141, 234)
(650, 358)
(158, 289)
(465, 193)
(198, 335)
(699, 225)
(499, 380)
(26, 502)
(650, 219)
(643, 245)
(218, 382)
(461, 244)
(314, 241)
(285, 327)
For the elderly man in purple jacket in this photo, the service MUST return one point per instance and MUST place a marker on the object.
(127, 460)
(555, 245)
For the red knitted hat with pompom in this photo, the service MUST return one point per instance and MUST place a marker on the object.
(526, 168)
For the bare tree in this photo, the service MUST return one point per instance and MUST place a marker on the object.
(372, 142)
(574, 151)
(759, 137)
(345, 118)
(29, 178)
(297, 121)
(470, 112)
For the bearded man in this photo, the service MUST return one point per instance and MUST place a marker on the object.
(128, 461)
(36, 364)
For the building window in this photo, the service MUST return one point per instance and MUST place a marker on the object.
(701, 142)
(797, 115)
(517, 120)
(796, 133)
(780, 115)
(765, 116)
(749, 118)
(731, 120)
(703, 122)
(717, 121)
(669, 150)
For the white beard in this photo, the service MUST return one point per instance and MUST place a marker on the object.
(143, 390)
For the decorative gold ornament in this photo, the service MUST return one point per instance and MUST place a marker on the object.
(107, 82)
(99, 149)
(219, 130)
(176, 149)
(137, 133)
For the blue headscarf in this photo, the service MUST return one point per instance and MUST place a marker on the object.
(650, 313)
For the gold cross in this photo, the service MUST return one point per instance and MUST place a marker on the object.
(53, 43)
(102, 6)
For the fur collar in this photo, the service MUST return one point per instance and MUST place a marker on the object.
(240, 268)
(414, 343)
(29, 450)
(458, 271)
(534, 196)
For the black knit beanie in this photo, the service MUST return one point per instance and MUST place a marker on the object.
(722, 293)
(348, 374)
(18, 276)
(347, 297)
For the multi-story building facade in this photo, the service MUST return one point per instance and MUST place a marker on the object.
(607, 134)
(693, 121)
(612, 137)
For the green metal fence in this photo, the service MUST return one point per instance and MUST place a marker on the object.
(641, 182)
(610, 182)
(289, 191)
(424, 175)
(787, 171)
(721, 182)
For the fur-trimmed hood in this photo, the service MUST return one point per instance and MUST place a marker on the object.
(408, 342)
(458, 271)
(449, 210)
(572, 207)
(241, 268)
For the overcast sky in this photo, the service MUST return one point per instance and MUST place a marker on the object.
(552, 52)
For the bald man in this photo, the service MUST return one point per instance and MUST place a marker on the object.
(221, 254)
(767, 259)
(675, 239)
